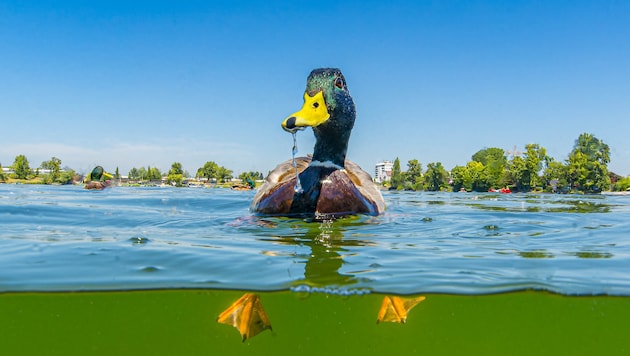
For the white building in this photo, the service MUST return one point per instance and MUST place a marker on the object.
(383, 171)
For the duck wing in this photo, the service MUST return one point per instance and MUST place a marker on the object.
(276, 194)
(365, 185)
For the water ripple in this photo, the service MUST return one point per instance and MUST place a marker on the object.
(66, 238)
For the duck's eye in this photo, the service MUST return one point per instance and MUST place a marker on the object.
(315, 105)
(339, 83)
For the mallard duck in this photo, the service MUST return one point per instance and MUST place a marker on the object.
(332, 186)
(98, 179)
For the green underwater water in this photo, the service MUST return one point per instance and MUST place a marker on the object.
(184, 322)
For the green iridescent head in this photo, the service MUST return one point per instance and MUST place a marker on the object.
(97, 173)
(326, 96)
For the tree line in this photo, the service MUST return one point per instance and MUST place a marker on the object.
(51, 172)
(176, 175)
(585, 170)
(54, 172)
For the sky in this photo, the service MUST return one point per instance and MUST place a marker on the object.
(148, 83)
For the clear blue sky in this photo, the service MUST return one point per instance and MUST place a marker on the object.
(131, 84)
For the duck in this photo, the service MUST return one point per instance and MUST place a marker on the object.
(331, 185)
(98, 179)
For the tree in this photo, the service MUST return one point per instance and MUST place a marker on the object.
(535, 156)
(490, 154)
(208, 171)
(149, 173)
(253, 175)
(116, 173)
(396, 182)
(175, 174)
(555, 176)
(134, 173)
(223, 174)
(495, 163)
(212, 170)
(478, 177)
(413, 176)
(436, 177)
(67, 175)
(588, 164)
(622, 184)
(153, 173)
(2, 176)
(21, 168)
(54, 166)
(517, 174)
(461, 179)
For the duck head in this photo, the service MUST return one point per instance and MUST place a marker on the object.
(329, 109)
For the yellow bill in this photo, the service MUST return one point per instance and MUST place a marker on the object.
(313, 113)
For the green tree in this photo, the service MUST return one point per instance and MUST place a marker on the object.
(212, 170)
(555, 176)
(208, 171)
(176, 168)
(2, 175)
(250, 178)
(413, 176)
(153, 173)
(436, 177)
(396, 181)
(116, 173)
(134, 173)
(67, 176)
(486, 155)
(517, 174)
(223, 174)
(461, 179)
(588, 164)
(535, 156)
(622, 184)
(21, 167)
(175, 174)
(54, 166)
(139, 173)
(478, 176)
(495, 164)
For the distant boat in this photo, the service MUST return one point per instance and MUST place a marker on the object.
(502, 190)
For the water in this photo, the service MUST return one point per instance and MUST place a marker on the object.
(504, 268)
(65, 238)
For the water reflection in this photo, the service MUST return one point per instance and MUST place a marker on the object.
(532, 205)
(328, 246)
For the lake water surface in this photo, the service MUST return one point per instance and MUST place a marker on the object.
(570, 254)
(56, 238)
